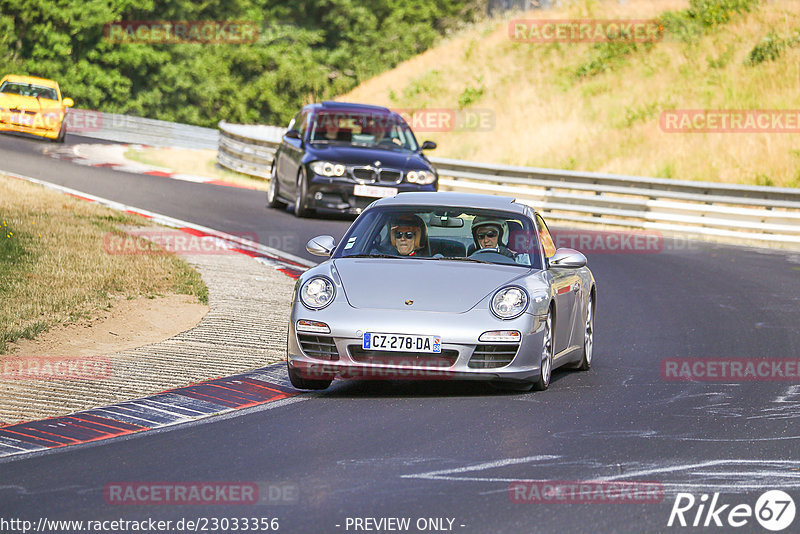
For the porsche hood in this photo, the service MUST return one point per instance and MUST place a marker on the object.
(421, 284)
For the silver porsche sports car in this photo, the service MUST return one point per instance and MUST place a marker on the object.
(442, 286)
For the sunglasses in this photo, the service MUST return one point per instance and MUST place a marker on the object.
(407, 235)
(490, 233)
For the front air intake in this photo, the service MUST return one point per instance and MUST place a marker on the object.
(320, 347)
(493, 356)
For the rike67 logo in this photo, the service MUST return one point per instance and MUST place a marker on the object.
(774, 510)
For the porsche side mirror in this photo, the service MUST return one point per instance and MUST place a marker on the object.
(569, 258)
(68, 102)
(322, 245)
(428, 145)
(293, 134)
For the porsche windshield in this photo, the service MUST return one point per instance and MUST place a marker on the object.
(447, 234)
(382, 130)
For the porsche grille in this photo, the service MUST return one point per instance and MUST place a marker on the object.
(492, 356)
(446, 359)
(320, 347)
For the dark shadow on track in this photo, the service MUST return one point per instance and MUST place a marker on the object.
(359, 388)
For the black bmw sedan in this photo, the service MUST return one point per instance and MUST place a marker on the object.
(341, 157)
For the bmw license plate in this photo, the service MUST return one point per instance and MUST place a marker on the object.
(362, 190)
(402, 343)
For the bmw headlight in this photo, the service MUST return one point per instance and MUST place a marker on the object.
(317, 292)
(509, 302)
(420, 177)
(327, 168)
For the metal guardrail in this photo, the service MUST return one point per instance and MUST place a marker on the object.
(138, 130)
(767, 214)
(248, 149)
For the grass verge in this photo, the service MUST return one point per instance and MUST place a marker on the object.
(54, 269)
(195, 162)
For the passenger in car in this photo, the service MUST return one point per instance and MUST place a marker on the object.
(488, 234)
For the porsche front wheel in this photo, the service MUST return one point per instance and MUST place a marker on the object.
(588, 338)
(546, 367)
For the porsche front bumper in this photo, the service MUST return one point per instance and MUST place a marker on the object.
(320, 355)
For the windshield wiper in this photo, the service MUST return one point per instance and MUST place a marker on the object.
(372, 256)
(460, 258)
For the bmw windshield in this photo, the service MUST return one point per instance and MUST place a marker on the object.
(368, 129)
(443, 233)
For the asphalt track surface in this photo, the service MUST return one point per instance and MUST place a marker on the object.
(451, 450)
(233, 210)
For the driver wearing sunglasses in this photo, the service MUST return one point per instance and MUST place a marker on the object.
(407, 235)
(488, 234)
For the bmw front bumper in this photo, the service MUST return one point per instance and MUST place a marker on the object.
(336, 193)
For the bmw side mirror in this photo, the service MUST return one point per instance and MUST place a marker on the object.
(569, 258)
(428, 145)
(68, 102)
(293, 134)
(322, 245)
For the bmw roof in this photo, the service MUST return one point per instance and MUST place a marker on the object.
(447, 199)
(329, 104)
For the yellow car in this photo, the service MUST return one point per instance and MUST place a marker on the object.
(34, 106)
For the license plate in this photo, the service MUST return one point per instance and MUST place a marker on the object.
(402, 343)
(362, 190)
(22, 119)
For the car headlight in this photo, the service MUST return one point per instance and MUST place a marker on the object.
(317, 292)
(327, 168)
(509, 302)
(420, 177)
